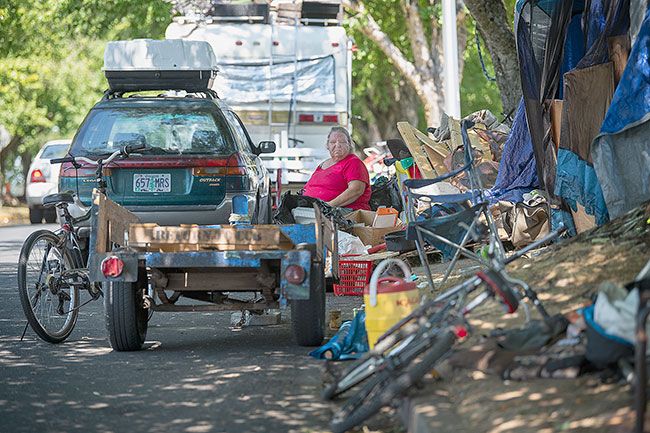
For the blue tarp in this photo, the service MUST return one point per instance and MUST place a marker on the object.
(576, 179)
(517, 173)
(621, 152)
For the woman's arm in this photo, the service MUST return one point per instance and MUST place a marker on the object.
(354, 190)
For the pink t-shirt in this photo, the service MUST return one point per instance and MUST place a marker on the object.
(327, 184)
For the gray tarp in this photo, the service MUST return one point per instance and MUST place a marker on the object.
(256, 82)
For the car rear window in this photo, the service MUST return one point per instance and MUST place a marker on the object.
(164, 130)
(54, 151)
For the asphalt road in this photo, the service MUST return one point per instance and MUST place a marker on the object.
(196, 374)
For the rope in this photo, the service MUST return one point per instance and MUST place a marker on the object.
(480, 56)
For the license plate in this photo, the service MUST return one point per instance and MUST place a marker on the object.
(152, 182)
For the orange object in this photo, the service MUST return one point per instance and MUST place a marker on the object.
(385, 217)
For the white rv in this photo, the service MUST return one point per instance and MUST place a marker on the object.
(288, 78)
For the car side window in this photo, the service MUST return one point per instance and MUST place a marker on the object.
(242, 137)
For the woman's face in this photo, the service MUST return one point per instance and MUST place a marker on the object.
(338, 146)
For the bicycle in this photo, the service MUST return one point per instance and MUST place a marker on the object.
(392, 342)
(412, 347)
(52, 268)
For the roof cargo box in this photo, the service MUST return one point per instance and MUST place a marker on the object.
(147, 64)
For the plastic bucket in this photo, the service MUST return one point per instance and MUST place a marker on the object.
(388, 300)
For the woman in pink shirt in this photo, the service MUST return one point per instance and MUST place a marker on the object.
(342, 180)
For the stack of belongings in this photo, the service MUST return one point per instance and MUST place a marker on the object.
(584, 71)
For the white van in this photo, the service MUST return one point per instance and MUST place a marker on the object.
(288, 80)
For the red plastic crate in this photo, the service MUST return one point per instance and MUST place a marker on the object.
(354, 275)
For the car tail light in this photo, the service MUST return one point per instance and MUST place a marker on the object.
(112, 266)
(37, 176)
(237, 175)
(294, 274)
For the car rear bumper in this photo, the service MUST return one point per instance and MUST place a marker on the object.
(35, 192)
(195, 214)
(175, 215)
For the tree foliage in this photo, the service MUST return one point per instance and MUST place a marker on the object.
(51, 55)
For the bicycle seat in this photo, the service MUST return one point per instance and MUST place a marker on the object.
(59, 198)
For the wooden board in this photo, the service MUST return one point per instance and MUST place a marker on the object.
(153, 237)
(415, 147)
(618, 48)
(112, 222)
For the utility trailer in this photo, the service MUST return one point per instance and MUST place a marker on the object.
(150, 268)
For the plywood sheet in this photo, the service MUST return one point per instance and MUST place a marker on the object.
(153, 237)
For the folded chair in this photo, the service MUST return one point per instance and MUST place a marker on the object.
(452, 221)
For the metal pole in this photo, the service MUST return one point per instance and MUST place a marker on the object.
(450, 50)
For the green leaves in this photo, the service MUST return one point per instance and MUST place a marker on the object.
(51, 54)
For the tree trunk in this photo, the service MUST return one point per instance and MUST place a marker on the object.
(492, 23)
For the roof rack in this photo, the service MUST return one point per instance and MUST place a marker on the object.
(290, 12)
(115, 94)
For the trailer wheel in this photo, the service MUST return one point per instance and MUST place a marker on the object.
(308, 316)
(126, 316)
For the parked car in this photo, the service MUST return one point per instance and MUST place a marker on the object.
(198, 158)
(43, 179)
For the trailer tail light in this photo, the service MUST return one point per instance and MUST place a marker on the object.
(295, 274)
(112, 266)
(37, 176)
(318, 118)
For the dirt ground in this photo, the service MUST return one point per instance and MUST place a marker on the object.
(566, 276)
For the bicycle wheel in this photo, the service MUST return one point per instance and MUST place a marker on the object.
(389, 385)
(49, 302)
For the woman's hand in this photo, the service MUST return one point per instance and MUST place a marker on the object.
(354, 190)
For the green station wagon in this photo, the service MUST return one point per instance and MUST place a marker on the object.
(197, 162)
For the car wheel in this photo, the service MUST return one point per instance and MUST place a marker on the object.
(35, 215)
(50, 215)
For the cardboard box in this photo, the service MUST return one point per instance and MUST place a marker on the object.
(369, 235)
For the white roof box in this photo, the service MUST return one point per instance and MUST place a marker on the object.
(147, 64)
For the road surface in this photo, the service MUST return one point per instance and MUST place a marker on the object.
(196, 374)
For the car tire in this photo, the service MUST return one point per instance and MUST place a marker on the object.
(35, 215)
(126, 317)
(308, 316)
(50, 215)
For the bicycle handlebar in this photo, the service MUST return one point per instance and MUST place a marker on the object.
(124, 152)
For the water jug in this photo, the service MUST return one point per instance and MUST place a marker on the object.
(388, 300)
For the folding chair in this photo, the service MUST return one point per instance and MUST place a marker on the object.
(452, 220)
